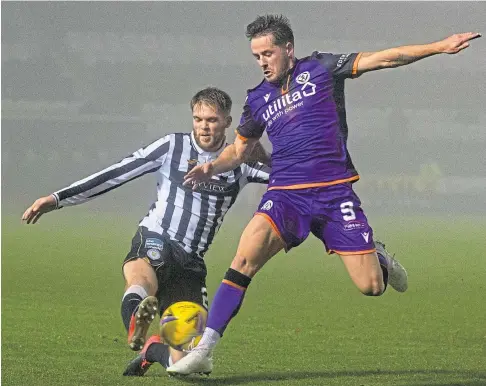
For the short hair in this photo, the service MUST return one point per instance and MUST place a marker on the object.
(277, 25)
(213, 97)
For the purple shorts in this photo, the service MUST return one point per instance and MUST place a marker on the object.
(332, 213)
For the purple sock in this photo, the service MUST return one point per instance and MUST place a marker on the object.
(383, 264)
(227, 300)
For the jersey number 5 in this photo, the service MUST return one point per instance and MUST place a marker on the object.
(347, 211)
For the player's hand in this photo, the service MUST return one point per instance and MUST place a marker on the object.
(198, 174)
(456, 43)
(38, 208)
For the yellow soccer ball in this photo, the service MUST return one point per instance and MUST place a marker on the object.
(182, 325)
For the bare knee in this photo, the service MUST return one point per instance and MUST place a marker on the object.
(248, 267)
(139, 272)
(372, 287)
(365, 271)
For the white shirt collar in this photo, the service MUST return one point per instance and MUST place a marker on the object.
(204, 152)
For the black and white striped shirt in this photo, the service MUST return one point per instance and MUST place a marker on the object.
(189, 217)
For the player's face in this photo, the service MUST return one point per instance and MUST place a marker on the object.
(274, 60)
(209, 126)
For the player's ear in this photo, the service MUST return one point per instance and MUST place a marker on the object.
(229, 120)
(289, 48)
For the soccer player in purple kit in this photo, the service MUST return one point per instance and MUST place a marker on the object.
(300, 103)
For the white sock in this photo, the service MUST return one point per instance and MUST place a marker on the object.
(136, 289)
(209, 339)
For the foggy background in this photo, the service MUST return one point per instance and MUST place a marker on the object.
(85, 84)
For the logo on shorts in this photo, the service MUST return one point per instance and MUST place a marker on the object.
(153, 243)
(366, 236)
(303, 77)
(353, 225)
(153, 254)
(267, 206)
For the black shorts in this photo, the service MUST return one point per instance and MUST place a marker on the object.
(181, 276)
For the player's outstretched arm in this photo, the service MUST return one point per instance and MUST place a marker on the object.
(38, 208)
(400, 56)
(147, 159)
(230, 158)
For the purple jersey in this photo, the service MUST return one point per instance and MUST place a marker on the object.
(306, 122)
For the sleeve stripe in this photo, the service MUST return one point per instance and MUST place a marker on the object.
(123, 183)
(240, 137)
(113, 173)
(159, 152)
(355, 64)
(100, 179)
(56, 197)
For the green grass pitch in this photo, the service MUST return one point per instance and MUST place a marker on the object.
(302, 323)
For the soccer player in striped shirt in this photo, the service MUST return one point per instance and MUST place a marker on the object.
(300, 103)
(165, 264)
